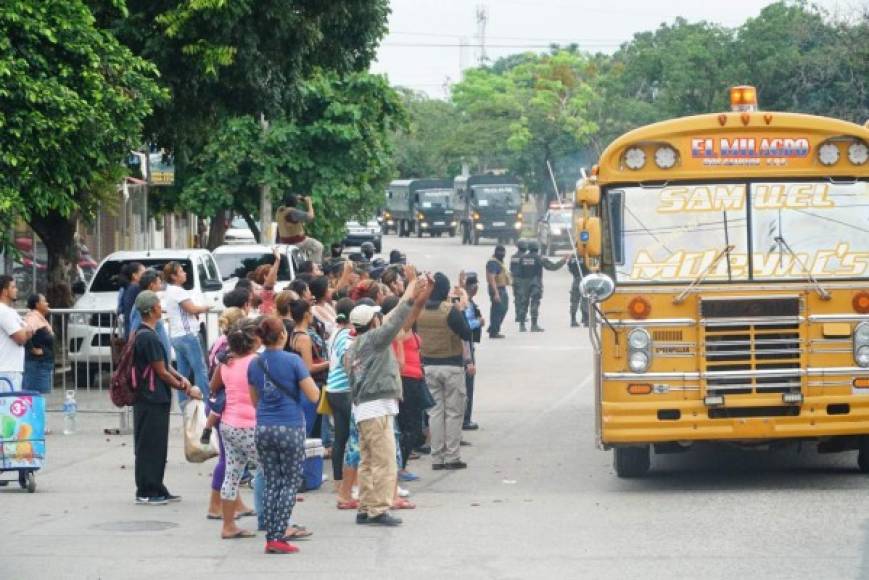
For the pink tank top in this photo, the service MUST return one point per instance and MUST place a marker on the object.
(239, 411)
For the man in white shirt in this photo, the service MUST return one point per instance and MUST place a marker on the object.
(13, 335)
(183, 315)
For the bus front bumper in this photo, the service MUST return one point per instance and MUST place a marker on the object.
(758, 417)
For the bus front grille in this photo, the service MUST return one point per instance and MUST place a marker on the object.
(752, 345)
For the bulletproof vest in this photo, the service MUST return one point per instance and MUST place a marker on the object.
(438, 339)
(516, 264)
(532, 267)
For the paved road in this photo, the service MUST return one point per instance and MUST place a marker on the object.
(538, 501)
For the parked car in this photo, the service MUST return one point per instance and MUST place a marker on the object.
(237, 261)
(89, 335)
(358, 233)
(238, 232)
(553, 229)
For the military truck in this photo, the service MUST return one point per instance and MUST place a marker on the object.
(418, 206)
(490, 207)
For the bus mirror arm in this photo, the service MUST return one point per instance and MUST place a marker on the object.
(702, 275)
(822, 292)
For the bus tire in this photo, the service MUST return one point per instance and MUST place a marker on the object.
(630, 462)
(863, 457)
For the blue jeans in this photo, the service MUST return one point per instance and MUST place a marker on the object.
(38, 375)
(189, 358)
(498, 311)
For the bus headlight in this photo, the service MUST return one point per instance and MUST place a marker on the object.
(639, 361)
(639, 350)
(639, 339)
(861, 344)
(665, 157)
(828, 154)
(635, 158)
(858, 153)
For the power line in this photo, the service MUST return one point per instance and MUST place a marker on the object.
(529, 38)
(487, 45)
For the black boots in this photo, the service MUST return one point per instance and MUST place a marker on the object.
(522, 327)
(534, 326)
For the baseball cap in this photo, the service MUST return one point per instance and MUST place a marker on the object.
(362, 314)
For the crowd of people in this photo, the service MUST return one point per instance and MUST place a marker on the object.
(369, 355)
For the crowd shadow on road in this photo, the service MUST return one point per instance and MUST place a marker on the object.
(723, 468)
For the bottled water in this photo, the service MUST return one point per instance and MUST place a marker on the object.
(70, 424)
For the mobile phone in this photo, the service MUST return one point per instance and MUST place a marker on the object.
(455, 299)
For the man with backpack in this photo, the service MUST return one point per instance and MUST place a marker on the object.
(152, 377)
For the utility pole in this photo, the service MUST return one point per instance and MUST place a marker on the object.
(482, 20)
(266, 236)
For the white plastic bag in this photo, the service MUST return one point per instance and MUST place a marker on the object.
(194, 423)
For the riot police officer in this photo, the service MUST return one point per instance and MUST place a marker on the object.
(367, 249)
(520, 283)
(578, 270)
(532, 268)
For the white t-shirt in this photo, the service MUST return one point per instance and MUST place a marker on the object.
(374, 409)
(11, 353)
(181, 322)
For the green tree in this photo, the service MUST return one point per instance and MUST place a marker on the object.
(73, 101)
(426, 147)
(222, 60)
(336, 147)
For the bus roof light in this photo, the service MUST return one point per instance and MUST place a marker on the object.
(743, 98)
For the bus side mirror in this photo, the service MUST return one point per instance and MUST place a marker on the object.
(587, 194)
(588, 239)
(597, 287)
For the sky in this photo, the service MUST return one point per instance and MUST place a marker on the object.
(423, 48)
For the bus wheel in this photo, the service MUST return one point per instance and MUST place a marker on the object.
(631, 461)
(863, 457)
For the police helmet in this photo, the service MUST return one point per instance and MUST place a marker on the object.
(533, 246)
(522, 245)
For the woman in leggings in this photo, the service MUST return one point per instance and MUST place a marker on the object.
(278, 380)
(338, 392)
(238, 420)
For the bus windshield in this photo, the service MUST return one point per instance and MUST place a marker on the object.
(497, 195)
(429, 198)
(674, 233)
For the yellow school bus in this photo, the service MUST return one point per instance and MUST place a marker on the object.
(730, 284)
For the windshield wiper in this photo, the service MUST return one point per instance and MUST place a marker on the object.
(782, 243)
(702, 275)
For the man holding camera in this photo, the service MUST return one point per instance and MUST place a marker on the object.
(291, 227)
(444, 330)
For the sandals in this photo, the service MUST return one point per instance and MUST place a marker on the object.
(239, 535)
(353, 504)
(403, 504)
(298, 533)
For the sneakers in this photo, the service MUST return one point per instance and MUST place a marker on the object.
(151, 500)
(407, 476)
(403, 492)
(455, 465)
(280, 547)
(470, 426)
(173, 498)
(361, 518)
(437, 466)
(384, 519)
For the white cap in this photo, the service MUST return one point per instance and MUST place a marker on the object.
(361, 315)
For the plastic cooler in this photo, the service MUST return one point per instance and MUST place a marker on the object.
(313, 472)
(22, 435)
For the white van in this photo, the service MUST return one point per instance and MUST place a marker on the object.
(237, 261)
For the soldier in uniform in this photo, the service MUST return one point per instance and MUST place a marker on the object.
(578, 270)
(532, 268)
(497, 280)
(520, 283)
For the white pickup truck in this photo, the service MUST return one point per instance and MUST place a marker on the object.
(89, 335)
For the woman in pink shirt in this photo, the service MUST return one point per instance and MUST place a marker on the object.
(238, 421)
